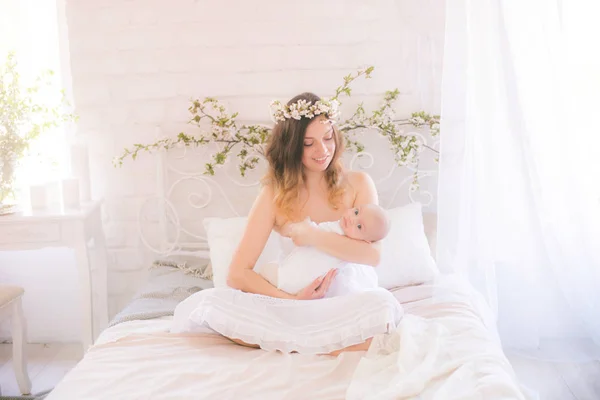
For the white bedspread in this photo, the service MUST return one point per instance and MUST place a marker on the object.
(441, 350)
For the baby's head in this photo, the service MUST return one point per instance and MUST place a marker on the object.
(368, 222)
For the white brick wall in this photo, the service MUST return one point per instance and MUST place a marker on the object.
(136, 63)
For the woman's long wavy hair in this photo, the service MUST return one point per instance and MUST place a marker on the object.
(286, 171)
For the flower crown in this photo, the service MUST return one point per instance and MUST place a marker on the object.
(303, 108)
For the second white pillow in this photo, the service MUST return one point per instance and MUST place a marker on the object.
(405, 253)
(223, 236)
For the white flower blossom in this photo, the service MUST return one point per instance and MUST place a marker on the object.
(417, 121)
(411, 155)
(303, 108)
(388, 114)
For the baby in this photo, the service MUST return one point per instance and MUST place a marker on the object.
(300, 265)
(368, 222)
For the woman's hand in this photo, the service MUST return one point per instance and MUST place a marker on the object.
(318, 288)
(302, 233)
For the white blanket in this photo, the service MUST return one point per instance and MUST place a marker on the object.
(439, 351)
(444, 349)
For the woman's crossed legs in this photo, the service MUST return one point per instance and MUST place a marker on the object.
(364, 346)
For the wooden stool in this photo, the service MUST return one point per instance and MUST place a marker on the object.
(10, 306)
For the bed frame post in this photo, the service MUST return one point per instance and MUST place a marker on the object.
(161, 194)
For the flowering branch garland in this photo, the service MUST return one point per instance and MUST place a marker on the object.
(250, 140)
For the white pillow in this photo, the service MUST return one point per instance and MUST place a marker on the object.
(223, 236)
(405, 253)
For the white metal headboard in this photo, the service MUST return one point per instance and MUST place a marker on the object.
(170, 222)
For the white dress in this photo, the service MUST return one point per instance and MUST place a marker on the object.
(355, 310)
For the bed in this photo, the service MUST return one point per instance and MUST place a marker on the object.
(448, 348)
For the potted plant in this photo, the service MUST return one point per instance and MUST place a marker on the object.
(23, 118)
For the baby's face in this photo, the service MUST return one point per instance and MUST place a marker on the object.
(367, 222)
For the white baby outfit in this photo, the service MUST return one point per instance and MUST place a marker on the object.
(301, 265)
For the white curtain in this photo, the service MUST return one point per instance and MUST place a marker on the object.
(519, 183)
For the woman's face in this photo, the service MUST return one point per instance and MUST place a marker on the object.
(319, 145)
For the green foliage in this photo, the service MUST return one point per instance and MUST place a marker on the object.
(22, 119)
(224, 130)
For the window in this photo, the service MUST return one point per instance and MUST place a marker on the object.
(29, 28)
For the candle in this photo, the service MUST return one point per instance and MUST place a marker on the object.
(53, 199)
(80, 169)
(38, 197)
(70, 192)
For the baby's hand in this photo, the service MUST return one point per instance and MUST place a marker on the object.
(285, 230)
(302, 233)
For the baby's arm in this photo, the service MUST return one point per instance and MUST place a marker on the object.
(333, 226)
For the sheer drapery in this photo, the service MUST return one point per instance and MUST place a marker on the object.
(518, 186)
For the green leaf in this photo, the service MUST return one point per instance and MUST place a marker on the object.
(220, 158)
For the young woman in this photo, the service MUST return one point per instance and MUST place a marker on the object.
(305, 179)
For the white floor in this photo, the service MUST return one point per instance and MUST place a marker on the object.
(559, 381)
(48, 364)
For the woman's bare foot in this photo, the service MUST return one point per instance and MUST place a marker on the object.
(364, 346)
(242, 343)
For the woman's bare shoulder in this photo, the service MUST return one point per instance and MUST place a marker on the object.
(363, 186)
(358, 178)
(267, 190)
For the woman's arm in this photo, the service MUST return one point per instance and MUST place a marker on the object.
(339, 246)
(241, 275)
(260, 224)
(347, 249)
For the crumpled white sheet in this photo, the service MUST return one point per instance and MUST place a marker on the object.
(439, 351)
